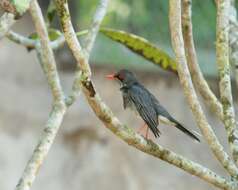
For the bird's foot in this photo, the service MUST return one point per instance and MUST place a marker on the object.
(146, 133)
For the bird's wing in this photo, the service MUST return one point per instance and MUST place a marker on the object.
(126, 100)
(168, 119)
(145, 107)
(159, 108)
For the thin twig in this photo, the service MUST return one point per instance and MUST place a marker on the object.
(113, 124)
(186, 82)
(222, 55)
(97, 19)
(32, 43)
(197, 76)
(19, 39)
(6, 21)
(58, 110)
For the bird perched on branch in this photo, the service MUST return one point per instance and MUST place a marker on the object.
(137, 98)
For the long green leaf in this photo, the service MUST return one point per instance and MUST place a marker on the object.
(142, 47)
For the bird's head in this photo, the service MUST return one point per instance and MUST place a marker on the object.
(126, 77)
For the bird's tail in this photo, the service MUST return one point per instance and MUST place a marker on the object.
(186, 131)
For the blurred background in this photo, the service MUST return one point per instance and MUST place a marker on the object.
(85, 155)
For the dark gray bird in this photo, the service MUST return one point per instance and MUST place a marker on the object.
(139, 99)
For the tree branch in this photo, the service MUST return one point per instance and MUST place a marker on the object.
(6, 21)
(222, 55)
(32, 43)
(70, 36)
(19, 39)
(17, 8)
(89, 42)
(58, 110)
(97, 19)
(133, 139)
(80, 54)
(42, 149)
(197, 76)
(14, 10)
(113, 124)
(186, 82)
(47, 54)
(233, 39)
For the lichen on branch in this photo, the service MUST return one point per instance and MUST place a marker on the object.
(222, 56)
(104, 113)
(189, 91)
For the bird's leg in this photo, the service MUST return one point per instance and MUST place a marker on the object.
(141, 128)
(144, 131)
(146, 134)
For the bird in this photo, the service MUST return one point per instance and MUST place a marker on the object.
(140, 100)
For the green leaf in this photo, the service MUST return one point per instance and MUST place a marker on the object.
(142, 47)
(53, 35)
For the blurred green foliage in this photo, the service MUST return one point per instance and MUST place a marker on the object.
(149, 19)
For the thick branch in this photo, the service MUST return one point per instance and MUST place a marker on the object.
(197, 76)
(70, 35)
(59, 108)
(222, 55)
(47, 56)
(186, 82)
(123, 132)
(233, 39)
(42, 149)
(80, 54)
(6, 21)
(135, 140)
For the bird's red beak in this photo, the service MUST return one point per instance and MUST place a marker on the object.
(111, 76)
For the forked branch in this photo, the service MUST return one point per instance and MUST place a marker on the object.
(123, 132)
(186, 82)
(83, 82)
(222, 55)
(197, 76)
(58, 108)
(14, 10)
(6, 21)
